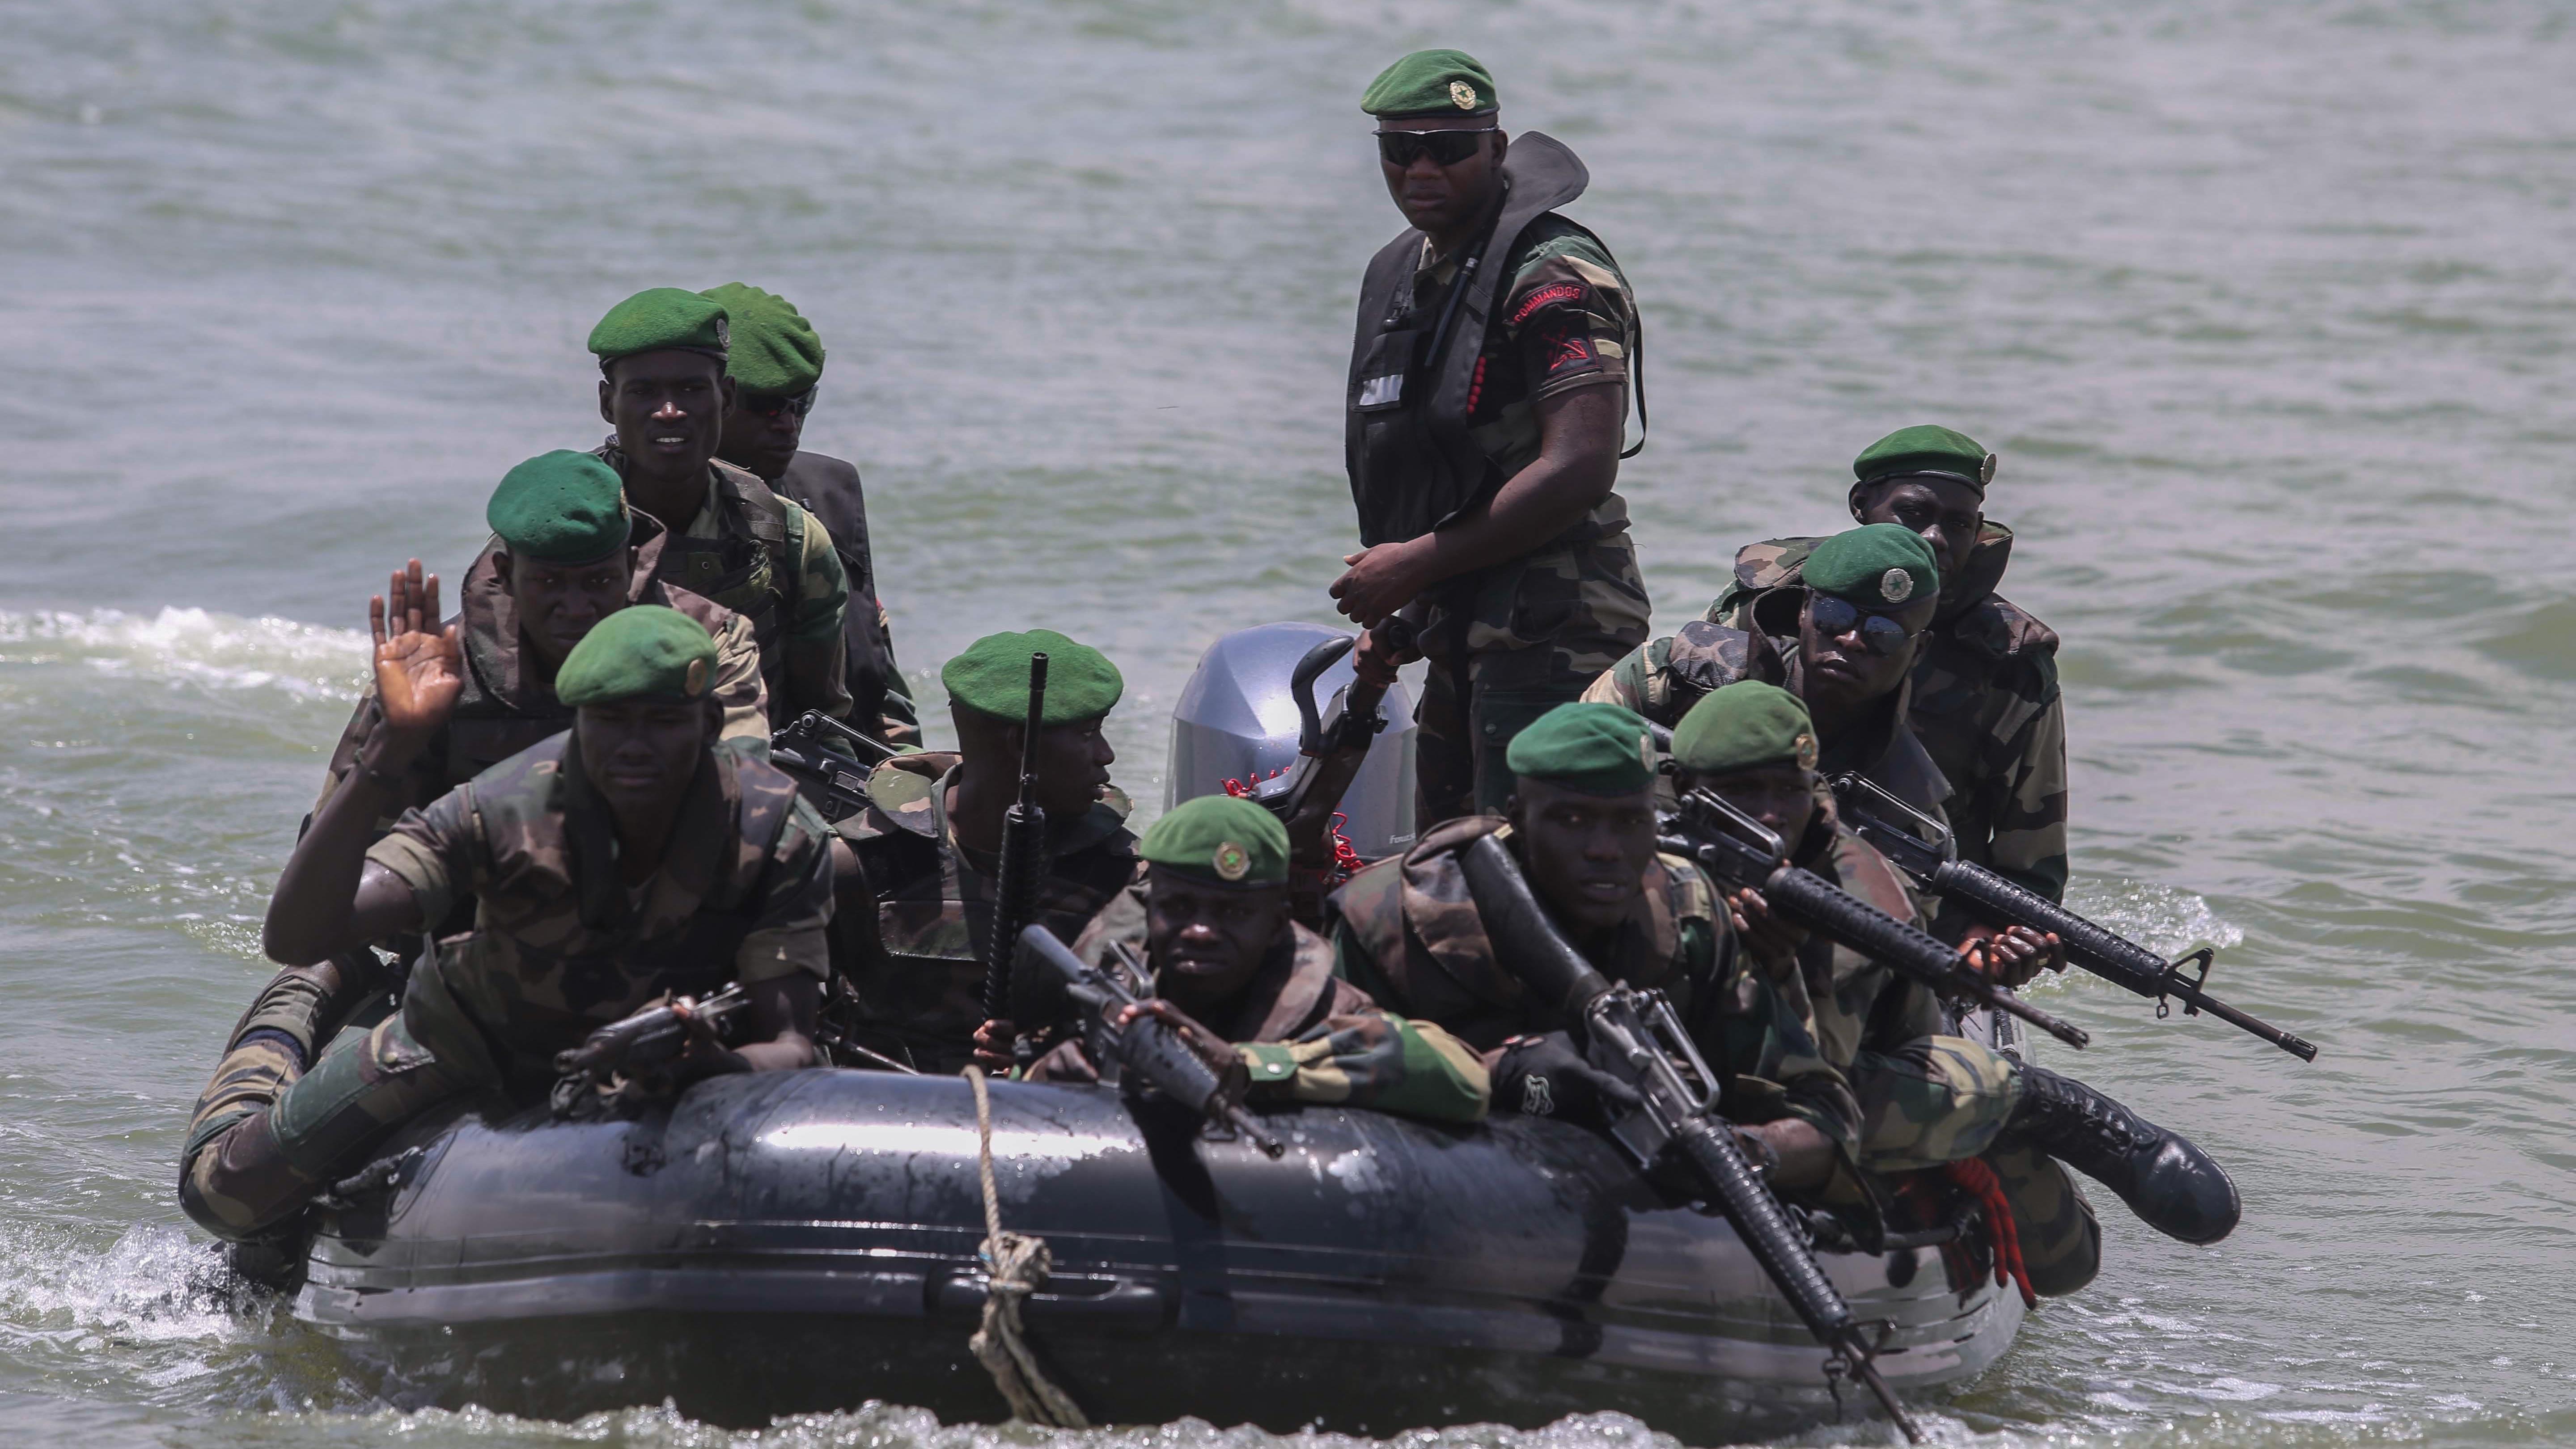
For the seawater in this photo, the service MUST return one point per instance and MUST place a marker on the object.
(2266, 307)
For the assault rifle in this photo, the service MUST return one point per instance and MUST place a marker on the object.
(1634, 1035)
(1923, 848)
(639, 1045)
(1737, 851)
(835, 779)
(1015, 886)
(1149, 1047)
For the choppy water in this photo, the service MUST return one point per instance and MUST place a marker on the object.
(2266, 306)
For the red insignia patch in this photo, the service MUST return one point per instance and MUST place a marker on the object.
(1545, 297)
(1570, 352)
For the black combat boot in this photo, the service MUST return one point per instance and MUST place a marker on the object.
(2172, 1186)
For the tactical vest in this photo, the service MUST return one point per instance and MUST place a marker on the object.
(1413, 463)
(747, 567)
(829, 488)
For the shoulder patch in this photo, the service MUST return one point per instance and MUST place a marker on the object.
(1539, 300)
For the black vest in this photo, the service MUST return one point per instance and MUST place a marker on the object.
(1412, 462)
(829, 489)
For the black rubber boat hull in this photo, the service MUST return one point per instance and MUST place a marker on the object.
(806, 1241)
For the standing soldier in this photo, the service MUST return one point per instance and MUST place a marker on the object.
(662, 385)
(1489, 389)
(776, 362)
(1985, 702)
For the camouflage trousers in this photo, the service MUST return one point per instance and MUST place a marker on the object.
(1507, 645)
(1939, 1099)
(268, 1135)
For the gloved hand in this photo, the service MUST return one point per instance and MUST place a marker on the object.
(1545, 1076)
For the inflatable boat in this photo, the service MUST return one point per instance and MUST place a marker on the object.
(805, 1241)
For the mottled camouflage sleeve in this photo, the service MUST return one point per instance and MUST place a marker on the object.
(2029, 844)
(424, 780)
(1569, 316)
(1375, 1059)
(817, 656)
(1623, 683)
(435, 851)
(740, 691)
(1785, 1055)
(796, 908)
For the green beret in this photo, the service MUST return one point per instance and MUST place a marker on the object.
(1219, 840)
(1432, 83)
(774, 351)
(1910, 452)
(1877, 566)
(1599, 749)
(1744, 726)
(643, 651)
(560, 507)
(657, 319)
(991, 677)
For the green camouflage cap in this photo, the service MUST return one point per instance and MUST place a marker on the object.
(560, 507)
(1219, 840)
(1744, 726)
(1432, 83)
(1599, 749)
(660, 318)
(1877, 566)
(991, 676)
(774, 350)
(1926, 449)
(643, 651)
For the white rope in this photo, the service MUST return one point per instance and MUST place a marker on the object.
(1015, 1265)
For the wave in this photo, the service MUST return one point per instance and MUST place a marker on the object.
(192, 646)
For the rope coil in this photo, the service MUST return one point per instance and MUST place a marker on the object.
(1015, 1265)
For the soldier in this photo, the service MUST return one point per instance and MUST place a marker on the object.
(776, 362)
(1210, 923)
(1489, 390)
(662, 356)
(1929, 1097)
(910, 946)
(566, 552)
(608, 865)
(1984, 700)
(1581, 822)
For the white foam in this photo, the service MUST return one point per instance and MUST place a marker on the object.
(2161, 917)
(192, 646)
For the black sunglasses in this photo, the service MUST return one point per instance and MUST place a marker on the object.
(1836, 617)
(1445, 148)
(762, 405)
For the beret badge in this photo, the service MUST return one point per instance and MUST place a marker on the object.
(1230, 861)
(696, 682)
(1806, 747)
(1986, 470)
(1896, 586)
(1462, 95)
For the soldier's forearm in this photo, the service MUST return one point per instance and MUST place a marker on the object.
(313, 913)
(1577, 466)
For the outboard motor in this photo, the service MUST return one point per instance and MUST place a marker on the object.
(1239, 719)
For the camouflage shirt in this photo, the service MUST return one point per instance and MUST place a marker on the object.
(915, 966)
(1858, 1001)
(1985, 705)
(1305, 1035)
(1408, 932)
(560, 944)
(829, 489)
(772, 562)
(509, 699)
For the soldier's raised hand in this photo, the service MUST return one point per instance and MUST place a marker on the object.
(420, 667)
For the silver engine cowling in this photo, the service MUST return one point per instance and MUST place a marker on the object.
(1237, 720)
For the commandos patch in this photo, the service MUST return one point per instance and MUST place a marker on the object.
(1232, 861)
(1462, 95)
(1896, 586)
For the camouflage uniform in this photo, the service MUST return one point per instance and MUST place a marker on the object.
(1304, 1034)
(1527, 635)
(1406, 930)
(914, 967)
(507, 706)
(1985, 705)
(559, 947)
(829, 488)
(772, 562)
